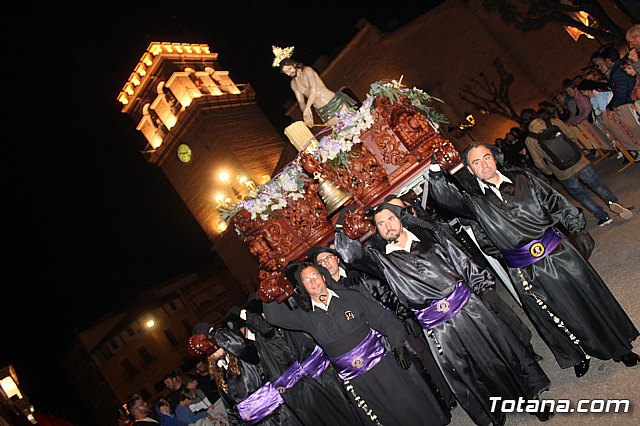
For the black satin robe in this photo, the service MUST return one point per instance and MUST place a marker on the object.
(308, 399)
(481, 357)
(302, 345)
(386, 388)
(430, 374)
(251, 378)
(564, 280)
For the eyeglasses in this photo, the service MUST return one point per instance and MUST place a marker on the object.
(310, 278)
(325, 260)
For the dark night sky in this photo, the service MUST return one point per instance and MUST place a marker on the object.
(86, 221)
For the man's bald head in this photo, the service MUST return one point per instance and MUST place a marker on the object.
(633, 37)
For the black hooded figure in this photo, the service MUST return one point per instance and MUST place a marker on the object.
(372, 286)
(348, 327)
(478, 354)
(567, 301)
(308, 399)
(235, 388)
(414, 216)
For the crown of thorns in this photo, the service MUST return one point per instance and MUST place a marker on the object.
(280, 54)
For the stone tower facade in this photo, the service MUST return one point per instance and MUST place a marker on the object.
(198, 123)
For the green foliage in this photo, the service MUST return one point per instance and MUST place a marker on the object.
(394, 91)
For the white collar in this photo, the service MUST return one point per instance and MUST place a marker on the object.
(407, 247)
(315, 304)
(341, 272)
(146, 419)
(495, 188)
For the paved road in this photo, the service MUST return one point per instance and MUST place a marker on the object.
(617, 259)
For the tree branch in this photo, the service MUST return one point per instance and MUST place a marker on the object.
(489, 95)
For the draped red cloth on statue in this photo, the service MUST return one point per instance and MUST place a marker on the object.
(395, 151)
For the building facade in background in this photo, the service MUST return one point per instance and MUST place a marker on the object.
(132, 352)
(445, 48)
(206, 134)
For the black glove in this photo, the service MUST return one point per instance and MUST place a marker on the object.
(584, 243)
(412, 326)
(343, 214)
(403, 358)
(258, 325)
(491, 298)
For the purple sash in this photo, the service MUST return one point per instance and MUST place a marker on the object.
(259, 404)
(534, 251)
(268, 397)
(289, 378)
(362, 358)
(443, 310)
(316, 363)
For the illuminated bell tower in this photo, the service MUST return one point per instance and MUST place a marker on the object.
(198, 123)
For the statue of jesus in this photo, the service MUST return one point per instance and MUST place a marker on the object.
(310, 90)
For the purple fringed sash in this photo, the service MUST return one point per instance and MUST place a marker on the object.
(268, 397)
(316, 363)
(443, 310)
(259, 404)
(289, 378)
(533, 251)
(360, 359)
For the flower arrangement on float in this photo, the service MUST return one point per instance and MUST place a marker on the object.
(334, 149)
(274, 195)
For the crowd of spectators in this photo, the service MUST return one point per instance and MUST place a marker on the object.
(601, 106)
(191, 401)
(599, 109)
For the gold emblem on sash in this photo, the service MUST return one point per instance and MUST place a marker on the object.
(357, 362)
(349, 315)
(442, 306)
(537, 250)
(281, 389)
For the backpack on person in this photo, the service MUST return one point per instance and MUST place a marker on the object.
(562, 151)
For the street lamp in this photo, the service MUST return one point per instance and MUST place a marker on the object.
(240, 187)
(11, 396)
(148, 320)
(10, 387)
(466, 126)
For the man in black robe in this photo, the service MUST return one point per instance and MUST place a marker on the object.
(571, 307)
(307, 398)
(417, 216)
(348, 327)
(240, 377)
(377, 288)
(478, 354)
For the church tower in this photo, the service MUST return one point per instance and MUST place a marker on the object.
(206, 134)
